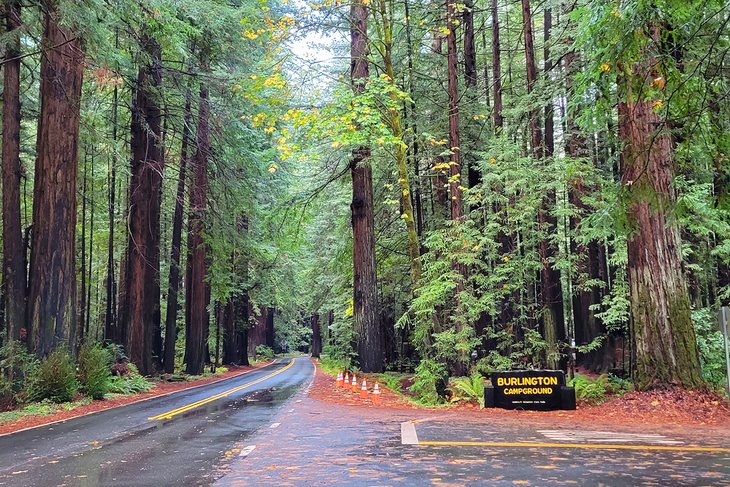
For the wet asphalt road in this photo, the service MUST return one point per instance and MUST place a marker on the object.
(124, 447)
(324, 444)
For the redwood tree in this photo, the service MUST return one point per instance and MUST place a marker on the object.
(666, 348)
(52, 293)
(14, 272)
(173, 286)
(196, 298)
(143, 253)
(366, 322)
(316, 336)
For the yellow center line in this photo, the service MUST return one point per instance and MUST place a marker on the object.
(588, 446)
(207, 400)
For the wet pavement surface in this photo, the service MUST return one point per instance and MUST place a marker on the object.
(320, 443)
(124, 447)
(266, 428)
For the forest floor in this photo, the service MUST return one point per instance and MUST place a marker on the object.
(160, 388)
(658, 407)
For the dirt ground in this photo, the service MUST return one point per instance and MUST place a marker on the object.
(659, 407)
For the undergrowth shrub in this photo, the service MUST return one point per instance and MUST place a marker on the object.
(332, 364)
(428, 374)
(711, 347)
(17, 365)
(54, 379)
(468, 388)
(94, 370)
(595, 391)
(130, 383)
(264, 351)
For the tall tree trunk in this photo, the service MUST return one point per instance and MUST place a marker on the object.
(196, 299)
(470, 51)
(143, 252)
(395, 123)
(14, 271)
(365, 288)
(82, 300)
(173, 286)
(457, 209)
(551, 295)
(534, 116)
(230, 338)
(413, 113)
(485, 73)
(84, 324)
(496, 69)
(549, 122)
(111, 331)
(666, 348)
(242, 326)
(316, 336)
(257, 333)
(52, 296)
(270, 333)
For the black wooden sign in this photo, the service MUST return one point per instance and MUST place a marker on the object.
(541, 390)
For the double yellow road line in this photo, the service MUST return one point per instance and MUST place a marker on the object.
(208, 400)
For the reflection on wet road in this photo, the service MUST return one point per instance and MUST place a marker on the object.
(125, 447)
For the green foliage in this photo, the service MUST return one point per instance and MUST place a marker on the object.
(468, 388)
(18, 366)
(392, 381)
(94, 370)
(43, 408)
(265, 352)
(331, 364)
(595, 391)
(131, 383)
(54, 379)
(428, 374)
(711, 347)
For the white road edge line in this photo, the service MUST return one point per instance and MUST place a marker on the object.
(247, 451)
(408, 434)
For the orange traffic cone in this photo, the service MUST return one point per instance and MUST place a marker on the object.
(338, 382)
(354, 383)
(364, 389)
(346, 383)
(376, 395)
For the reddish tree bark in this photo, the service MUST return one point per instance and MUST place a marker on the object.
(270, 333)
(196, 299)
(111, 329)
(316, 336)
(365, 288)
(143, 253)
(666, 348)
(52, 296)
(470, 51)
(257, 333)
(14, 272)
(173, 286)
(535, 131)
